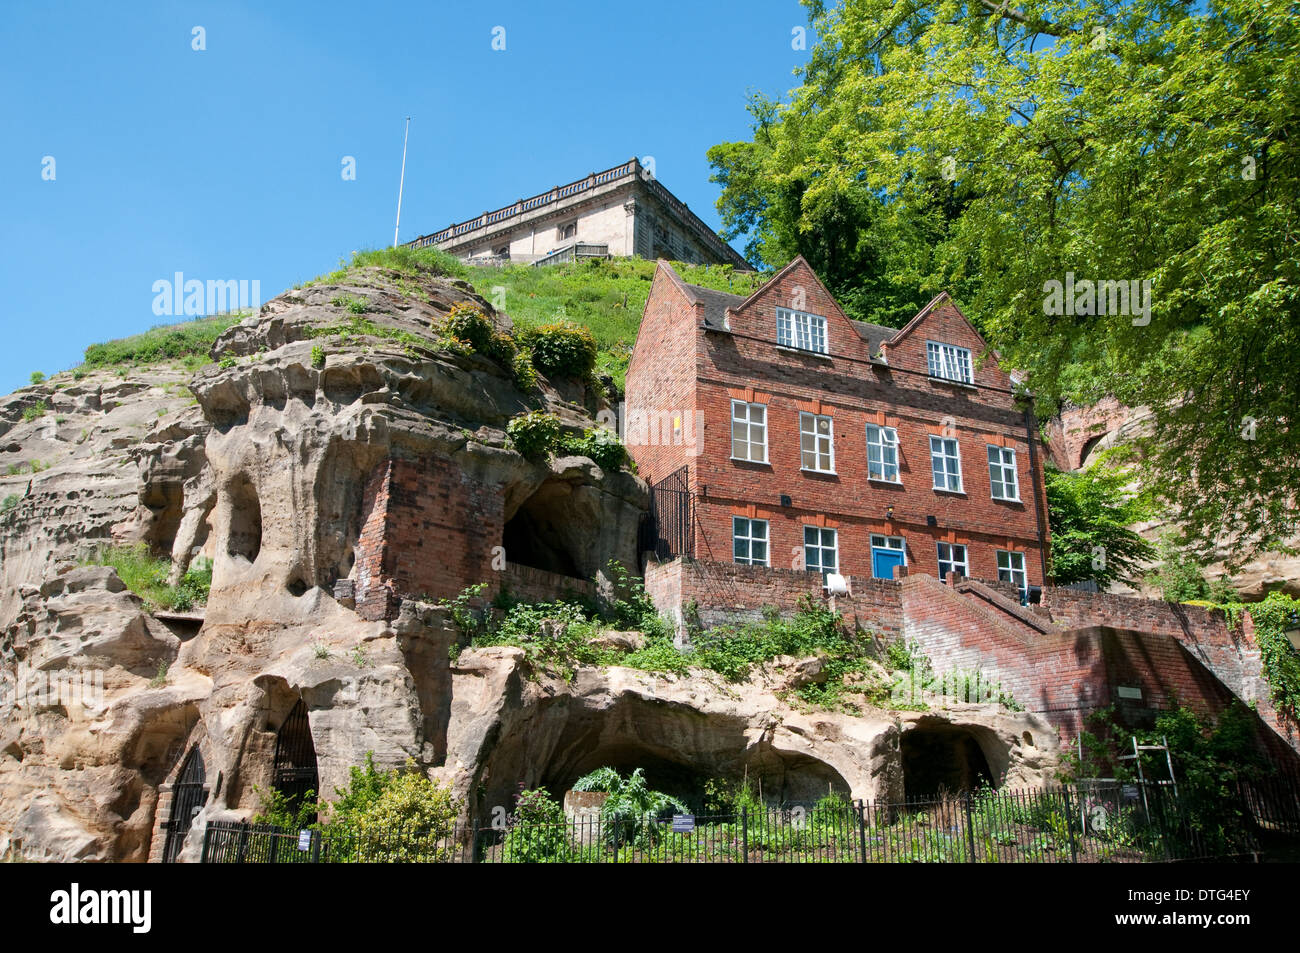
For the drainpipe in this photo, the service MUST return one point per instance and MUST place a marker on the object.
(1039, 500)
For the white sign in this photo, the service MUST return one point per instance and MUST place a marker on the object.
(304, 840)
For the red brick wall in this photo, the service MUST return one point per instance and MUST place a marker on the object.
(661, 382)
(728, 593)
(428, 530)
(1065, 675)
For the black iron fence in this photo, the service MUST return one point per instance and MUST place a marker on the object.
(667, 527)
(1083, 823)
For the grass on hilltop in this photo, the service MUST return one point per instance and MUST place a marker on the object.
(188, 341)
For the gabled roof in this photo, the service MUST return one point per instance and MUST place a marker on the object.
(714, 306)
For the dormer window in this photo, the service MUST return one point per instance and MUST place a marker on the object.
(801, 330)
(949, 362)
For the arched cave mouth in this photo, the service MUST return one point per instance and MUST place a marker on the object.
(678, 752)
(943, 758)
(543, 532)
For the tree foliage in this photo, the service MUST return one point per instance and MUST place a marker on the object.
(1007, 146)
(1090, 513)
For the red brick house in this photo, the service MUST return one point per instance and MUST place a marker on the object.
(801, 439)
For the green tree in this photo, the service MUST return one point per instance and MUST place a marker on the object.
(1143, 141)
(1090, 513)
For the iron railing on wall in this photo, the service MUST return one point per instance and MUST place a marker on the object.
(1092, 823)
(666, 530)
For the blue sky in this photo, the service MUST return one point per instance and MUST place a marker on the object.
(226, 163)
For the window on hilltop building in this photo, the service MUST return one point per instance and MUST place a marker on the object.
(945, 464)
(821, 550)
(748, 431)
(1011, 568)
(1002, 473)
(952, 558)
(882, 453)
(749, 541)
(949, 362)
(800, 329)
(816, 443)
(568, 230)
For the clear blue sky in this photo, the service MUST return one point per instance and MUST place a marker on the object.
(225, 163)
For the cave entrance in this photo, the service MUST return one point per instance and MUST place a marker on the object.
(188, 798)
(295, 776)
(542, 534)
(942, 758)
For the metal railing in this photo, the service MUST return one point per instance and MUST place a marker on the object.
(1086, 823)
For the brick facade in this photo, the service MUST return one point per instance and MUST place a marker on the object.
(698, 350)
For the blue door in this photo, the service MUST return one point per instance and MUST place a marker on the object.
(883, 562)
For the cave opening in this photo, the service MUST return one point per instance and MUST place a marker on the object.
(540, 533)
(943, 758)
(245, 537)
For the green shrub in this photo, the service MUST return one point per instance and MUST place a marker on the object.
(317, 356)
(534, 434)
(1181, 577)
(597, 443)
(35, 411)
(562, 349)
(629, 813)
(37, 377)
(11, 501)
(538, 831)
(351, 303)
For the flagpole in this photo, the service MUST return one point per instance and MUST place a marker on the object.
(402, 182)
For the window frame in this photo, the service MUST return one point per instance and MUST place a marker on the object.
(951, 562)
(787, 319)
(943, 455)
(749, 424)
(937, 361)
(1003, 467)
(817, 437)
(1011, 570)
(883, 445)
(820, 546)
(750, 539)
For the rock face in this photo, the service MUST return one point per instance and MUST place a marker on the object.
(298, 472)
(1080, 434)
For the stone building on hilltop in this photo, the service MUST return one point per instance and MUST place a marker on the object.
(618, 213)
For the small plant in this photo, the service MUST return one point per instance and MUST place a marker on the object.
(37, 377)
(228, 362)
(359, 657)
(10, 501)
(317, 356)
(320, 650)
(36, 410)
(534, 434)
(351, 303)
(630, 811)
(61, 419)
(598, 444)
(160, 677)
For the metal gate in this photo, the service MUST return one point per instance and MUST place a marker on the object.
(667, 529)
(188, 797)
(295, 758)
